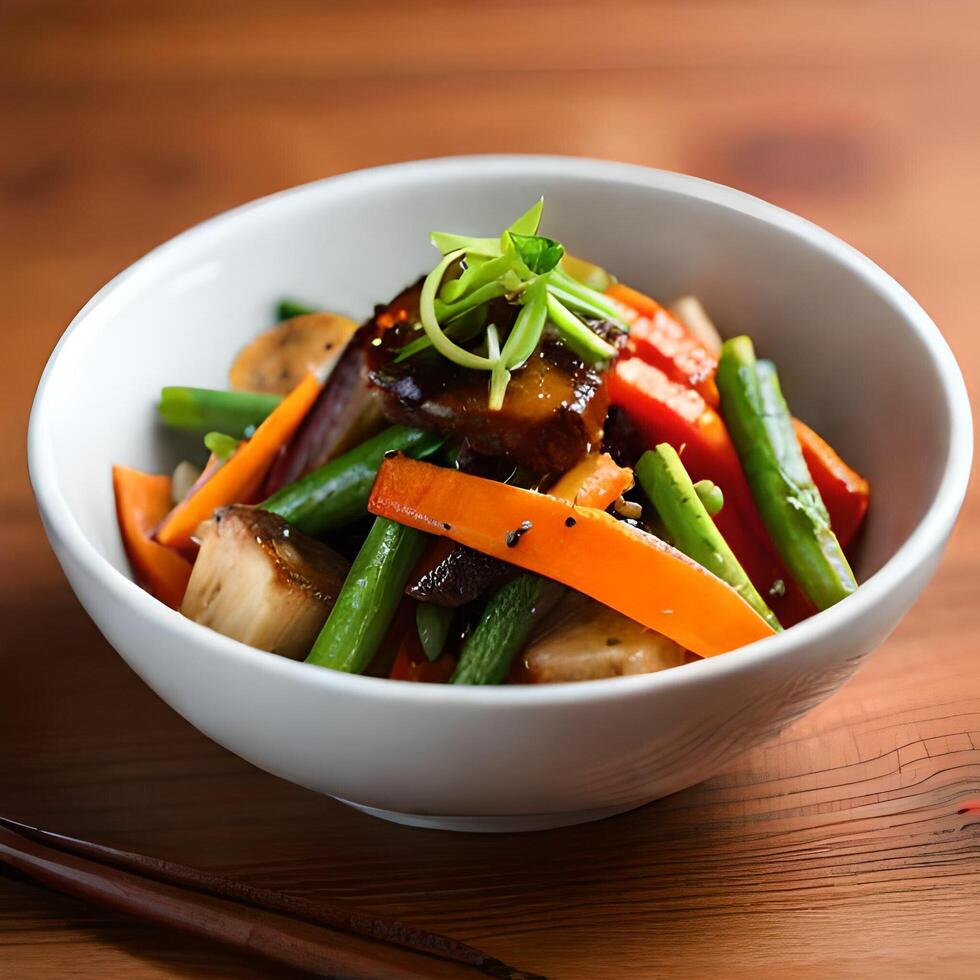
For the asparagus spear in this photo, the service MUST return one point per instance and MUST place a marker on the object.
(791, 507)
(371, 593)
(663, 478)
(206, 410)
(337, 492)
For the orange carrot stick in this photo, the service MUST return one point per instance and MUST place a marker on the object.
(660, 339)
(596, 481)
(142, 500)
(651, 582)
(844, 491)
(240, 477)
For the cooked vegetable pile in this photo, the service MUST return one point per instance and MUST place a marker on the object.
(518, 470)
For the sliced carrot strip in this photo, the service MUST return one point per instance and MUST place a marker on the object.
(596, 481)
(845, 492)
(239, 478)
(652, 583)
(660, 339)
(142, 500)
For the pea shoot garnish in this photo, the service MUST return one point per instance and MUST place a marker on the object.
(524, 268)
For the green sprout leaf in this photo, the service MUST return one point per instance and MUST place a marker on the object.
(538, 253)
(527, 223)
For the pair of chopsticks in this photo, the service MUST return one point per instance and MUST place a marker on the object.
(325, 939)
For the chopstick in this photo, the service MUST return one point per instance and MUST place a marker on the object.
(315, 937)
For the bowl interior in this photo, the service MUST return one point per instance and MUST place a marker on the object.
(850, 363)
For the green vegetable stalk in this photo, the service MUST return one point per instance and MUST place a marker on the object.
(337, 493)
(503, 629)
(433, 624)
(369, 597)
(665, 481)
(790, 505)
(205, 410)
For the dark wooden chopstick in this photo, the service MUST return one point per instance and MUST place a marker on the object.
(319, 938)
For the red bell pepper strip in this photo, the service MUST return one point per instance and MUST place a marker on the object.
(142, 501)
(662, 410)
(660, 339)
(845, 492)
(411, 663)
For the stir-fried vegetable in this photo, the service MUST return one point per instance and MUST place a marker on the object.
(503, 629)
(582, 640)
(241, 476)
(512, 609)
(142, 501)
(262, 582)
(642, 577)
(344, 415)
(337, 493)
(277, 359)
(368, 598)
(221, 445)
(433, 624)
(665, 481)
(205, 410)
(595, 482)
(659, 338)
(664, 411)
(542, 383)
(790, 504)
(692, 314)
(844, 491)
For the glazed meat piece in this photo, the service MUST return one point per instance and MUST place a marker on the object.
(260, 581)
(552, 414)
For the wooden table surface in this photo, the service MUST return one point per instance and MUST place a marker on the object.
(838, 850)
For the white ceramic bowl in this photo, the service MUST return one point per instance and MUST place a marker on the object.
(859, 359)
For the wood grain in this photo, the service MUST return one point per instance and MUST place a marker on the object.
(846, 848)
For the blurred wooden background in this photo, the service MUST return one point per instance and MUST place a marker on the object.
(844, 849)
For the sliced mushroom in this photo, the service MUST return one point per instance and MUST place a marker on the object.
(260, 581)
(583, 640)
(277, 359)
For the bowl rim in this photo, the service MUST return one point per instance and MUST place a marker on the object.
(912, 554)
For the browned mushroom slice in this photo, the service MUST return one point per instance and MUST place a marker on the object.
(588, 641)
(260, 581)
(277, 359)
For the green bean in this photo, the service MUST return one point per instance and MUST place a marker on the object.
(337, 492)
(369, 597)
(790, 504)
(503, 629)
(433, 624)
(663, 478)
(204, 410)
